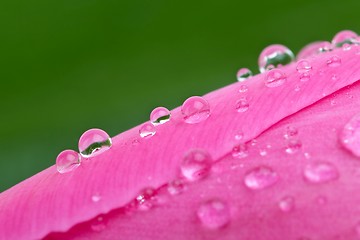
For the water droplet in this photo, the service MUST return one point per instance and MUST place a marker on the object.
(334, 61)
(297, 88)
(307, 155)
(263, 152)
(94, 142)
(243, 88)
(98, 224)
(344, 37)
(240, 151)
(313, 49)
(350, 135)
(260, 178)
(303, 66)
(332, 102)
(146, 199)
(253, 142)
(242, 105)
(67, 161)
(195, 109)
(160, 115)
(291, 132)
(243, 74)
(320, 172)
(275, 78)
(274, 56)
(239, 136)
(196, 164)
(346, 47)
(214, 214)
(96, 197)
(304, 77)
(286, 204)
(147, 130)
(175, 187)
(293, 146)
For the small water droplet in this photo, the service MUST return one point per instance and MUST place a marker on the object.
(334, 61)
(260, 178)
(98, 224)
(304, 77)
(303, 66)
(239, 136)
(214, 214)
(275, 78)
(263, 152)
(293, 146)
(147, 130)
(196, 164)
(307, 155)
(290, 132)
(175, 187)
(242, 105)
(274, 56)
(240, 151)
(146, 199)
(344, 37)
(160, 115)
(320, 172)
(94, 142)
(243, 88)
(313, 49)
(286, 204)
(334, 77)
(253, 142)
(243, 74)
(195, 109)
(333, 102)
(96, 197)
(350, 135)
(67, 161)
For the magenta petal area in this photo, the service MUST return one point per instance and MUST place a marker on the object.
(51, 203)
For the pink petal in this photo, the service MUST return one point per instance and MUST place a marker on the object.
(50, 202)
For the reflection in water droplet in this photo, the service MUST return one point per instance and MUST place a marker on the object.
(147, 130)
(67, 161)
(240, 151)
(243, 74)
(214, 214)
(242, 105)
(334, 61)
(196, 164)
(344, 37)
(275, 78)
(274, 56)
(160, 115)
(350, 135)
(303, 66)
(260, 178)
(320, 172)
(94, 142)
(286, 204)
(195, 109)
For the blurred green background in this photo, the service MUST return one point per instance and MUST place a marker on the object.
(71, 65)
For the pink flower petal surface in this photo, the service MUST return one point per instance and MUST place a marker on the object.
(51, 202)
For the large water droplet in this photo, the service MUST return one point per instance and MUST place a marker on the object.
(94, 142)
(344, 37)
(303, 66)
(196, 164)
(274, 56)
(313, 49)
(195, 109)
(67, 161)
(214, 214)
(334, 61)
(242, 105)
(159, 116)
(275, 78)
(243, 74)
(286, 204)
(147, 130)
(350, 135)
(320, 172)
(260, 178)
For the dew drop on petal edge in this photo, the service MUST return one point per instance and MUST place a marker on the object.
(67, 161)
(313, 49)
(94, 142)
(214, 214)
(260, 178)
(196, 164)
(195, 109)
(275, 78)
(243, 74)
(147, 130)
(320, 172)
(350, 135)
(344, 37)
(274, 56)
(160, 115)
